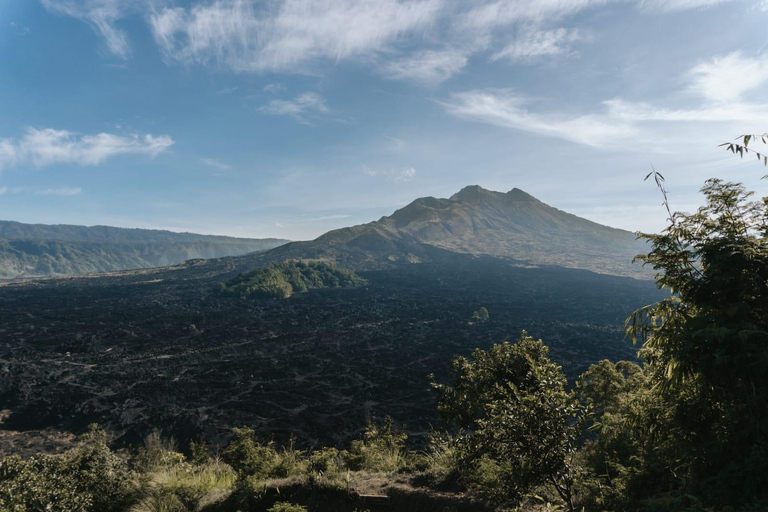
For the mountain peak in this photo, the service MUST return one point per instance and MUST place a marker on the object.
(520, 196)
(474, 194)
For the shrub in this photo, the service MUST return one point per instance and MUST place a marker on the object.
(157, 452)
(381, 449)
(287, 507)
(251, 458)
(90, 478)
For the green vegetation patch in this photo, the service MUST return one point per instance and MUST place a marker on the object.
(283, 279)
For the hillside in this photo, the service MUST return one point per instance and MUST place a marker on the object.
(42, 250)
(281, 280)
(476, 221)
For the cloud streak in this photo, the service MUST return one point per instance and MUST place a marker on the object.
(429, 67)
(721, 85)
(298, 36)
(47, 146)
(303, 108)
(101, 15)
(505, 108)
(246, 36)
(395, 175)
(63, 191)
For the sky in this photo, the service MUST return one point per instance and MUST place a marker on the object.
(288, 118)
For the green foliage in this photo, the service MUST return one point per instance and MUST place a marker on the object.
(515, 421)
(198, 452)
(287, 507)
(157, 452)
(326, 461)
(184, 485)
(90, 478)
(743, 148)
(481, 316)
(252, 459)
(381, 449)
(706, 351)
(281, 280)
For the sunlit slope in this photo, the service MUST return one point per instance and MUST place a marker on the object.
(513, 225)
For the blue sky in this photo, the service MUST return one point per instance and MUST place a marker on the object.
(290, 118)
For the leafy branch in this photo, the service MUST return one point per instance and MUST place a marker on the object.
(742, 148)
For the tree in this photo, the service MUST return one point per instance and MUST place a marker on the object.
(511, 411)
(706, 346)
(481, 315)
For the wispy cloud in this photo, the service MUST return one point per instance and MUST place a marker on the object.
(40, 148)
(720, 85)
(226, 90)
(63, 191)
(19, 29)
(3, 190)
(101, 15)
(534, 43)
(246, 36)
(303, 108)
(427, 67)
(680, 5)
(215, 164)
(396, 175)
(506, 108)
(297, 35)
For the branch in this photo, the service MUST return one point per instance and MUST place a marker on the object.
(742, 148)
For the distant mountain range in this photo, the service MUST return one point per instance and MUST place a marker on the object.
(476, 221)
(28, 250)
(473, 222)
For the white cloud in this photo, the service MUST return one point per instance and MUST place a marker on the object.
(296, 35)
(539, 43)
(504, 107)
(302, 108)
(721, 86)
(396, 175)
(3, 190)
(246, 36)
(63, 191)
(215, 164)
(101, 15)
(47, 146)
(679, 5)
(427, 67)
(641, 111)
(507, 12)
(727, 78)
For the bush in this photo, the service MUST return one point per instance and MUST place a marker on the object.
(381, 449)
(157, 452)
(90, 478)
(287, 507)
(251, 458)
(516, 423)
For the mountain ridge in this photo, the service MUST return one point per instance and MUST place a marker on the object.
(475, 221)
(40, 250)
